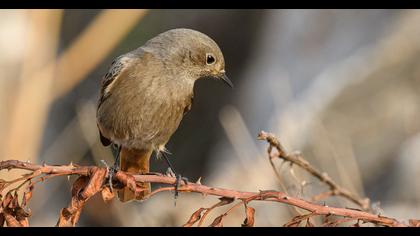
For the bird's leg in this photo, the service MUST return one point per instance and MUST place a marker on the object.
(116, 166)
(172, 172)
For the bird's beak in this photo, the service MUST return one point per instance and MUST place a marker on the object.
(226, 80)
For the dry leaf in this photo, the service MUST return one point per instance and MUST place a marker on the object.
(24, 222)
(2, 220)
(194, 217)
(95, 183)
(63, 220)
(225, 201)
(414, 223)
(68, 214)
(20, 213)
(26, 197)
(79, 184)
(218, 221)
(82, 189)
(7, 199)
(2, 184)
(11, 221)
(249, 220)
(15, 202)
(107, 194)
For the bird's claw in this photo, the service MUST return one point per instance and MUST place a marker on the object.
(111, 173)
(178, 180)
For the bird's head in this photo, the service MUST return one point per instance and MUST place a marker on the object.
(195, 53)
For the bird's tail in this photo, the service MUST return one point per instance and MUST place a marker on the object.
(136, 162)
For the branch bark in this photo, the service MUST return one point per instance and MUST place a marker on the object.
(93, 180)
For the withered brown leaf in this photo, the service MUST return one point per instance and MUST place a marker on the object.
(68, 215)
(2, 184)
(107, 194)
(79, 184)
(2, 220)
(7, 199)
(15, 201)
(24, 222)
(11, 221)
(249, 220)
(196, 216)
(27, 196)
(414, 222)
(225, 201)
(20, 213)
(95, 183)
(82, 189)
(218, 221)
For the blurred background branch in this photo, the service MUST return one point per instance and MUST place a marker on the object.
(95, 43)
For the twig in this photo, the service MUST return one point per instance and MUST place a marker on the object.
(296, 158)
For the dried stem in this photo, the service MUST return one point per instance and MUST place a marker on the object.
(93, 178)
(296, 158)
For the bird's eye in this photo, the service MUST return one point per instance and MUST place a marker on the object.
(210, 59)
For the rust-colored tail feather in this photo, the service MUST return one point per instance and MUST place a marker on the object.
(136, 162)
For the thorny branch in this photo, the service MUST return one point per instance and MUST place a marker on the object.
(296, 158)
(93, 180)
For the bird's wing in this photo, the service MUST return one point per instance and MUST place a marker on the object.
(119, 64)
(115, 70)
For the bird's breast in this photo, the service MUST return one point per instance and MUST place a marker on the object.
(159, 114)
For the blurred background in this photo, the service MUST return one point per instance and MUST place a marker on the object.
(342, 86)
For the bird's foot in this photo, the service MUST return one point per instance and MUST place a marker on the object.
(111, 173)
(178, 180)
(170, 172)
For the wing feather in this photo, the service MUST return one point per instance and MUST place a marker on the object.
(117, 67)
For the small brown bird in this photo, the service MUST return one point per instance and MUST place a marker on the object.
(146, 93)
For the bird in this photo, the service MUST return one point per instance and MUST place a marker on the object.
(146, 93)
